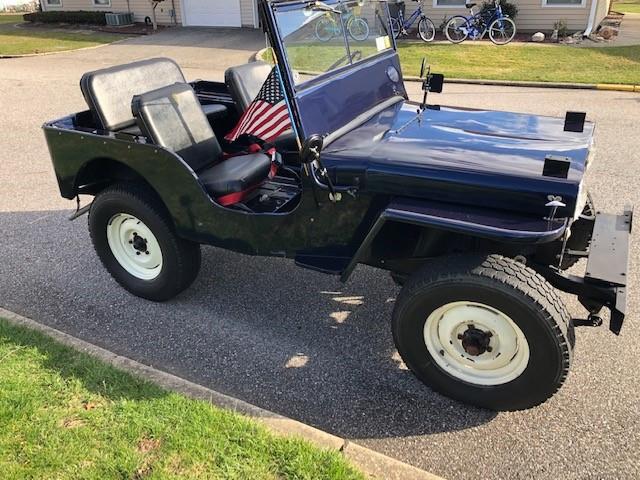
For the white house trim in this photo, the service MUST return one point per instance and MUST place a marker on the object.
(582, 4)
(451, 7)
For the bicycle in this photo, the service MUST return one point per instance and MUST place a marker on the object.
(500, 27)
(328, 28)
(426, 28)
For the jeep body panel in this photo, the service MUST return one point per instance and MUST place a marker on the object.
(473, 157)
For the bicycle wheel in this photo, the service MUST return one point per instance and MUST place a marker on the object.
(426, 29)
(358, 29)
(502, 31)
(457, 29)
(325, 29)
(396, 28)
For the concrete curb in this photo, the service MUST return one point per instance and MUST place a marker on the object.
(374, 464)
(514, 83)
(511, 83)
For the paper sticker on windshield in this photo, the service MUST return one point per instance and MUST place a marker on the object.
(383, 43)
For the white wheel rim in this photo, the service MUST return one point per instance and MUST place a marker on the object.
(507, 354)
(134, 246)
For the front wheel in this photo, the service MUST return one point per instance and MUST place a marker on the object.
(487, 331)
(502, 31)
(396, 28)
(426, 29)
(136, 242)
(358, 29)
(457, 29)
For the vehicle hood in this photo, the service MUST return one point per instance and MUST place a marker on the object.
(482, 157)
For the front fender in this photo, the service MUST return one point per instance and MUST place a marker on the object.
(498, 225)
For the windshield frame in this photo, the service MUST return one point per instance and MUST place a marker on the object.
(292, 5)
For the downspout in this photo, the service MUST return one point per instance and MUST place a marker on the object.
(254, 4)
(592, 18)
(174, 14)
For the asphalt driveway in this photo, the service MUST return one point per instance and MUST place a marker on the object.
(297, 342)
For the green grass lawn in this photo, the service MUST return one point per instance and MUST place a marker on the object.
(626, 6)
(65, 415)
(549, 63)
(20, 41)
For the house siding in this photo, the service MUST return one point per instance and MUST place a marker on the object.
(142, 9)
(532, 15)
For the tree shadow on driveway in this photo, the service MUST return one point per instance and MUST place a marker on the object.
(286, 339)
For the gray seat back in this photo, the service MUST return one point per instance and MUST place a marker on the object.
(245, 81)
(173, 118)
(109, 91)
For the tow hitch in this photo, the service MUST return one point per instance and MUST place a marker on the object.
(605, 280)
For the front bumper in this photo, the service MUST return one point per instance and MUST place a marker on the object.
(605, 280)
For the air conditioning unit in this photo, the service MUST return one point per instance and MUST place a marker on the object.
(119, 19)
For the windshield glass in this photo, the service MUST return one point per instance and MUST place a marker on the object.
(320, 37)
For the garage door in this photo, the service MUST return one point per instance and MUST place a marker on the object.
(212, 13)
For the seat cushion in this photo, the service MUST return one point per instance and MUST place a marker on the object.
(236, 174)
(245, 81)
(109, 91)
(172, 117)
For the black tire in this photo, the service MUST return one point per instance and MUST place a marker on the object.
(426, 30)
(506, 286)
(180, 258)
(457, 29)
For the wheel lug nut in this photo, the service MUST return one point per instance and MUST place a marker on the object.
(130, 242)
(489, 349)
(460, 336)
(137, 253)
(146, 253)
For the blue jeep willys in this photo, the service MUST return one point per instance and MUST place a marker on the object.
(476, 214)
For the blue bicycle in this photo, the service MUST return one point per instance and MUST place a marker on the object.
(501, 28)
(426, 28)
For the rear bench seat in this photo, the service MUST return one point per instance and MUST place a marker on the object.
(109, 91)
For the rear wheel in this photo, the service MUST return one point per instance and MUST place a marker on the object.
(484, 330)
(457, 29)
(136, 242)
(426, 30)
(326, 29)
(358, 29)
(502, 31)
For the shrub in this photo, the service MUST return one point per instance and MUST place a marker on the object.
(509, 9)
(79, 17)
(561, 27)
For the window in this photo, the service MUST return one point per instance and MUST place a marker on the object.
(563, 3)
(449, 3)
(101, 3)
(53, 3)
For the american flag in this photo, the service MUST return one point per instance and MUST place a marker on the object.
(268, 116)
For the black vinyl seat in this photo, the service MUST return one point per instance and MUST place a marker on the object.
(109, 91)
(173, 118)
(244, 83)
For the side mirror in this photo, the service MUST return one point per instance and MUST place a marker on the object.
(434, 83)
(311, 149)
